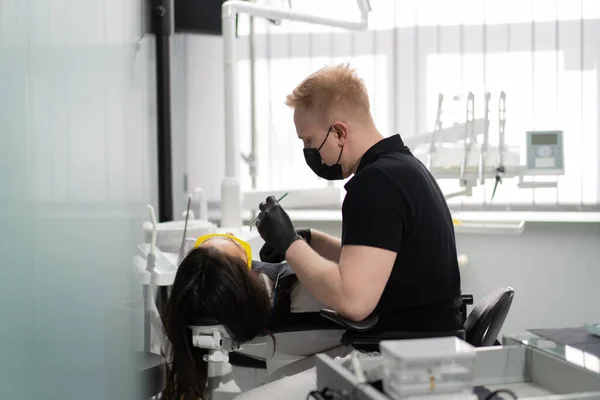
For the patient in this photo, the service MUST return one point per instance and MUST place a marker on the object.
(218, 279)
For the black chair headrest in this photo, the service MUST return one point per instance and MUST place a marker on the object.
(487, 318)
(203, 320)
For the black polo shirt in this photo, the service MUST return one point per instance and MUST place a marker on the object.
(393, 202)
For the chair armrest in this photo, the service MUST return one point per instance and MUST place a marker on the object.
(467, 298)
(370, 342)
(357, 326)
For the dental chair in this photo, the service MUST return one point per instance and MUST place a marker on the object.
(305, 334)
(299, 336)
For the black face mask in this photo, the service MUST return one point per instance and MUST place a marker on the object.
(315, 162)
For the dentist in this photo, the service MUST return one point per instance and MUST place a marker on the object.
(397, 253)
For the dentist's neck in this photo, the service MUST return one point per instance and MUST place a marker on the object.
(364, 139)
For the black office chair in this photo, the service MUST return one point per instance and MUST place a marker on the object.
(486, 319)
(360, 335)
(481, 328)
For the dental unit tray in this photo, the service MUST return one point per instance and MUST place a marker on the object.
(527, 371)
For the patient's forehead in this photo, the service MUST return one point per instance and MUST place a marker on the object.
(225, 245)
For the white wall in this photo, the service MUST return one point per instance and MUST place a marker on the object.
(553, 267)
(205, 116)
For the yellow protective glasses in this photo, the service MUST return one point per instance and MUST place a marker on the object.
(242, 244)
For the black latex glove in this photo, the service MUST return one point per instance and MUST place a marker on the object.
(270, 254)
(275, 226)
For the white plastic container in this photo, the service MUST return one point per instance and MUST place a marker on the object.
(428, 368)
(169, 234)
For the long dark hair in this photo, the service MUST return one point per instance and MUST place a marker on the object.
(212, 284)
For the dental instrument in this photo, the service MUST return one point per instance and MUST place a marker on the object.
(450, 152)
(436, 130)
(469, 137)
(278, 200)
(152, 317)
(181, 252)
(486, 139)
(501, 145)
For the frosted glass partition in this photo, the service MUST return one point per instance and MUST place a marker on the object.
(77, 168)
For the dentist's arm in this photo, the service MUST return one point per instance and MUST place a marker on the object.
(326, 245)
(351, 287)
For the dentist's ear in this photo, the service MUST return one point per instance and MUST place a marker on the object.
(340, 130)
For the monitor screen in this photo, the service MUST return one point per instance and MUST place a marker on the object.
(540, 139)
(198, 16)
